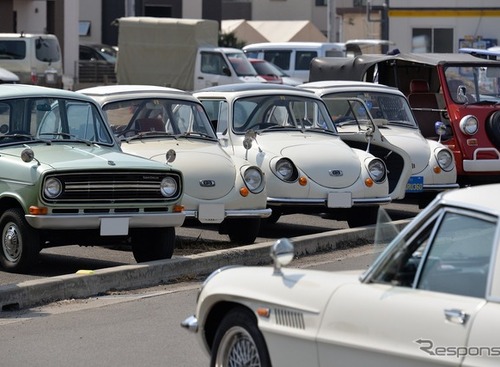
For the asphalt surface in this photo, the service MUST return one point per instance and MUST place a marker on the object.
(89, 283)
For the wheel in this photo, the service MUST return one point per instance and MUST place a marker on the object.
(493, 128)
(243, 230)
(20, 242)
(153, 244)
(238, 342)
(362, 216)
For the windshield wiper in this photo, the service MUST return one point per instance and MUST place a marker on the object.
(196, 134)
(69, 137)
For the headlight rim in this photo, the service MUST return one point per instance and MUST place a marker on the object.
(258, 188)
(46, 185)
(175, 186)
(294, 174)
(370, 173)
(464, 125)
(447, 152)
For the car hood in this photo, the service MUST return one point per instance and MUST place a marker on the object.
(412, 142)
(317, 156)
(69, 156)
(199, 161)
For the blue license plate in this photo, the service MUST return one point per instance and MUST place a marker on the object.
(415, 184)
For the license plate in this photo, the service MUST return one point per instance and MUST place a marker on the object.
(211, 213)
(415, 184)
(50, 78)
(114, 226)
(339, 200)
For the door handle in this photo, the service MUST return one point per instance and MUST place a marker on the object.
(456, 316)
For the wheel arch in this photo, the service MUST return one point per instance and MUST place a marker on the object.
(215, 316)
(8, 202)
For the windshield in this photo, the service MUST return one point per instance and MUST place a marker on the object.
(272, 112)
(241, 65)
(391, 108)
(32, 119)
(156, 116)
(473, 84)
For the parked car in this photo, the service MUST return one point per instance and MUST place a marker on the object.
(65, 181)
(460, 90)
(288, 133)
(153, 122)
(433, 166)
(273, 73)
(266, 70)
(429, 299)
(97, 64)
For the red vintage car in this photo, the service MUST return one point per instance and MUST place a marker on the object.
(460, 90)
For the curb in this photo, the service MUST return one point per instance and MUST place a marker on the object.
(42, 291)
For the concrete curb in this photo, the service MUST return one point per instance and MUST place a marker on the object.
(41, 291)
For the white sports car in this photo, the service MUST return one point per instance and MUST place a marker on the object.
(433, 165)
(288, 133)
(431, 298)
(171, 126)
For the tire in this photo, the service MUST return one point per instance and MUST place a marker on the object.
(493, 128)
(243, 231)
(362, 216)
(274, 217)
(239, 342)
(20, 242)
(153, 244)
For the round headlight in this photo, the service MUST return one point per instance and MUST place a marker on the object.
(168, 187)
(253, 179)
(53, 188)
(444, 159)
(285, 169)
(469, 125)
(377, 170)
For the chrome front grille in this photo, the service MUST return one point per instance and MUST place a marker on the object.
(289, 318)
(112, 187)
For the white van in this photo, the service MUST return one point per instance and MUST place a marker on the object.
(294, 57)
(34, 58)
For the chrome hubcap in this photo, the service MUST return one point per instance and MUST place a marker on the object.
(11, 243)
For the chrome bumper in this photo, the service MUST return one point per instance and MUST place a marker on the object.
(93, 221)
(245, 213)
(190, 323)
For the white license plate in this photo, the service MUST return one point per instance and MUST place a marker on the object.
(339, 200)
(50, 77)
(211, 213)
(114, 226)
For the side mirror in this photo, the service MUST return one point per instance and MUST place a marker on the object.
(282, 253)
(440, 129)
(226, 71)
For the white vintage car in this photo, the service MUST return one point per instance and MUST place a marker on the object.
(431, 298)
(171, 126)
(433, 165)
(289, 134)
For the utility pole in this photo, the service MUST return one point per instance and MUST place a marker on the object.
(332, 23)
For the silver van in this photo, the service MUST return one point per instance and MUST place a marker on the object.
(34, 58)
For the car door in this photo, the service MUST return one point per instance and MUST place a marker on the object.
(417, 310)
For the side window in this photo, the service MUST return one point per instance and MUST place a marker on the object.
(458, 260)
(303, 59)
(280, 58)
(212, 63)
(450, 254)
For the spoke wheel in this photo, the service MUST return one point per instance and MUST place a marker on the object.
(239, 343)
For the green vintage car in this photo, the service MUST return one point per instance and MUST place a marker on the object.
(64, 181)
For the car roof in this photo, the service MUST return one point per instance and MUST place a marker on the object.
(347, 85)
(26, 90)
(474, 197)
(115, 91)
(251, 87)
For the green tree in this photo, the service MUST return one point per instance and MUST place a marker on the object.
(230, 40)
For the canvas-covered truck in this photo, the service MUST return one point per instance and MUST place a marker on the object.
(178, 53)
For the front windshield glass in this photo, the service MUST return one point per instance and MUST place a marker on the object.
(158, 116)
(241, 65)
(34, 119)
(391, 109)
(473, 84)
(275, 112)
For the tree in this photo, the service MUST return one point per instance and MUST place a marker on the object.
(230, 40)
